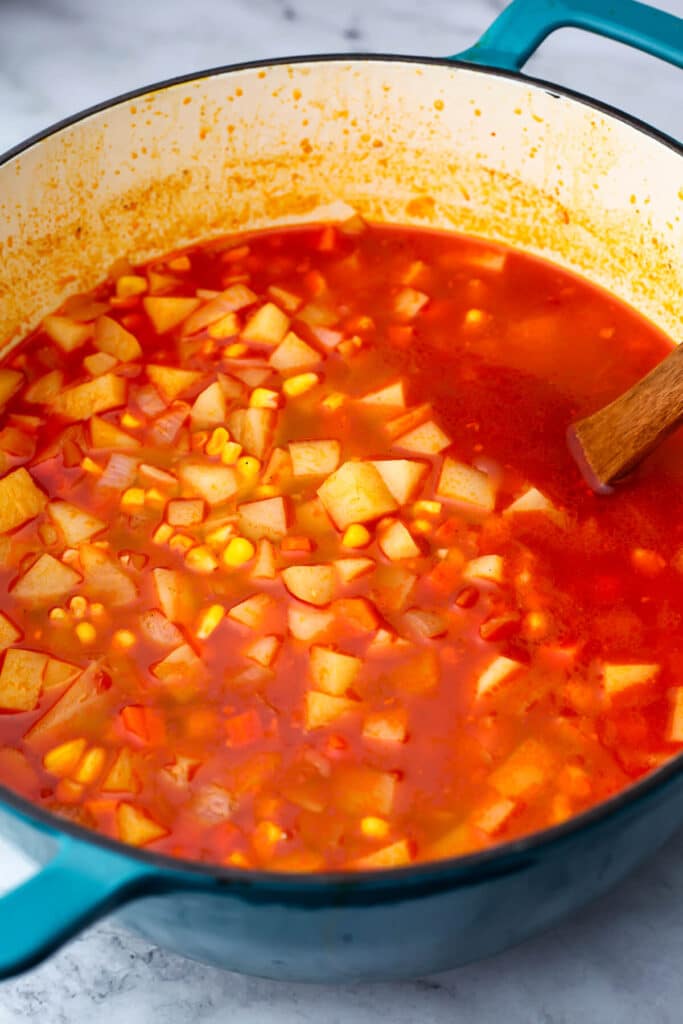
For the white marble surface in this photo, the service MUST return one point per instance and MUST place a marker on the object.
(619, 960)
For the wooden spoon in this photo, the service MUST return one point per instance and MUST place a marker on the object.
(615, 439)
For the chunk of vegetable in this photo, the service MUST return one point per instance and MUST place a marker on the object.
(167, 312)
(46, 580)
(619, 678)
(308, 624)
(333, 672)
(10, 382)
(115, 340)
(268, 325)
(322, 709)
(174, 594)
(403, 477)
(356, 493)
(349, 569)
(253, 429)
(104, 578)
(263, 519)
(252, 611)
(528, 768)
(172, 382)
(389, 397)
(82, 401)
(427, 439)
(314, 458)
(486, 567)
(459, 482)
(293, 354)
(75, 524)
(20, 499)
(107, 435)
(21, 679)
(395, 540)
(135, 825)
(393, 856)
(68, 334)
(495, 673)
(209, 407)
(314, 584)
(9, 634)
(215, 484)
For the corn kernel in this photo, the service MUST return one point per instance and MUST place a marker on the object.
(201, 559)
(264, 398)
(209, 620)
(476, 317)
(238, 860)
(129, 285)
(181, 542)
(334, 400)
(248, 466)
(162, 534)
(70, 556)
(89, 466)
(78, 606)
(133, 499)
(217, 440)
(427, 508)
(374, 828)
(266, 491)
(154, 498)
(536, 624)
(238, 552)
(64, 759)
(97, 610)
(91, 766)
(300, 384)
(220, 536)
(421, 526)
(230, 453)
(208, 347)
(226, 327)
(85, 631)
(356, 536)
(267, 834)
(179, 264)
(57, 615)
(130, 421)
(124, 639)
(236, 350)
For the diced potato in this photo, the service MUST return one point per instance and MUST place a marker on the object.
(459, 482)
(65, 332)
(427, 439)
(528, 768)
(395, 541)
(157, 628)
(75, 524)
(115, 340)
(209, 407)
(408, 302)
(293, 354)
(82, 401)
(266, 518)
(174, 594)
(495, 673)
(104, 579)
(390, 726)
(392, 587)
(403, 477)
(308, 624)
(185, 511)
(21, 679)
(349, 569)
(356, 493)
(107, 435)
(675, 734)
(252, 611)
(171, 382)
(322, 709)
(389, 397)
(46, 580)
(267, 326)
(58, 673)
(264, 566)
(98, 363)
(20, 499)
(254, 429)
(45, 388)
(486, 567)
(356, 614)
(9, 634)
(314, 584)
(408, 420)
(619, 678)
(493, 816)
(359, 790)
(169, 311)
(393, 856)
(10, 381)
(425, 623)
(121, 777)
(178, 663)
(264, 650)
(136, 827)
(333, 672)
(231, 300)
(74, 708)
(215, 484)
(314, 458)
(63, 759)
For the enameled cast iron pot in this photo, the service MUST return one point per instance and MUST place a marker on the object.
(466, 143)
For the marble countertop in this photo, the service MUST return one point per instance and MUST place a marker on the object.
(618, 960)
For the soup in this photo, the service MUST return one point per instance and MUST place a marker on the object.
(297, 572)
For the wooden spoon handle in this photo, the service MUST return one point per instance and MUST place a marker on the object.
(615, 439)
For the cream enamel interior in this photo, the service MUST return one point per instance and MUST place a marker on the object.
(402, 141)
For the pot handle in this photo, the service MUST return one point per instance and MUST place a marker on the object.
(520, 29)
(81, 883)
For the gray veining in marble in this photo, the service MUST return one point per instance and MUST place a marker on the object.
(618, 961)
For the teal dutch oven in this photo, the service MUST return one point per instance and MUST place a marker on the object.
(466, 142)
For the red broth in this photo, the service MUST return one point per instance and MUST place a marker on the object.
(297, 572)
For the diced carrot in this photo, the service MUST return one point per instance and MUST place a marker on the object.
(241, 730)
(144, 722)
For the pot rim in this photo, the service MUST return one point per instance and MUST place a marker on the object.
(503, 858)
